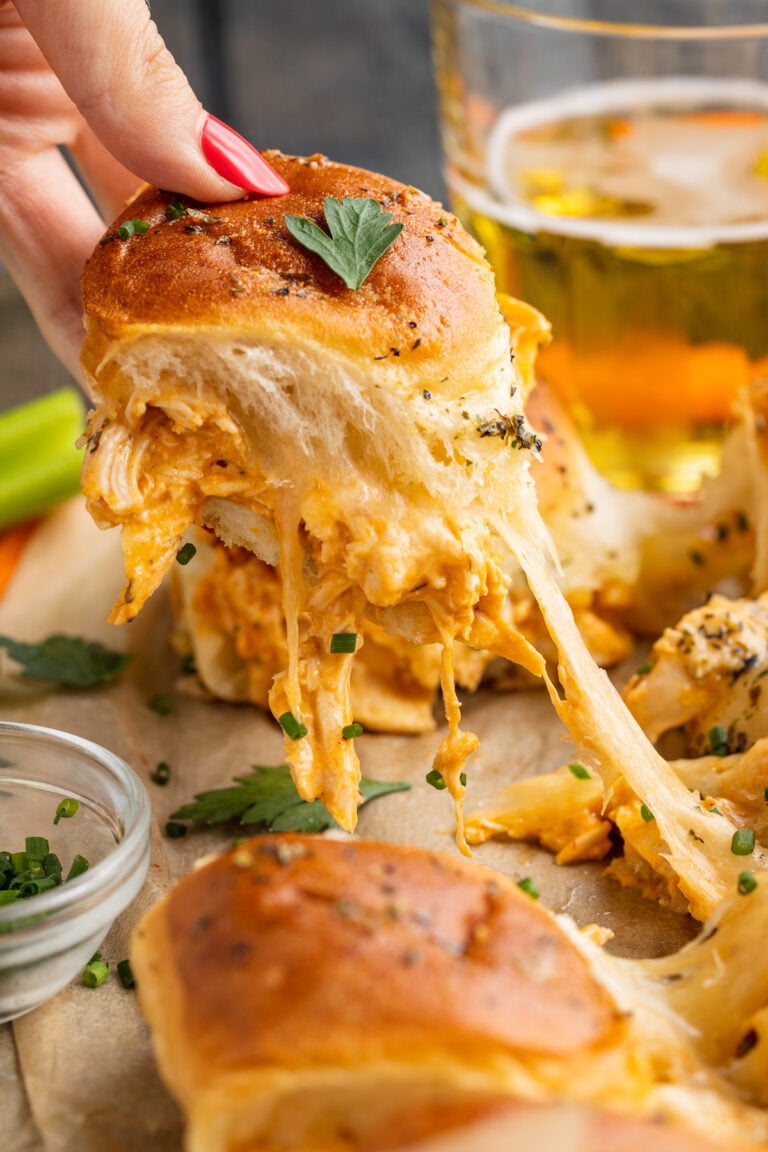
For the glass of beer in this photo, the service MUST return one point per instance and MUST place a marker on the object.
(612, 158)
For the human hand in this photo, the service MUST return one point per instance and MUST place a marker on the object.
(95, 77)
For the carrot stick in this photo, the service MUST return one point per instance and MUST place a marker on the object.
(12, 544)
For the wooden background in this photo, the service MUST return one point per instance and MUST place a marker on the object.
(351, 78)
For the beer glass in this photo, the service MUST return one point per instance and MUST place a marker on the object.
(612, 158)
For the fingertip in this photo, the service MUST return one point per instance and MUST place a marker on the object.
(236, 160)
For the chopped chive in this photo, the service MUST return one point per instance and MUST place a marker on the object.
(350, 731)
(185, 553)
(35, 885)
(131, 227)
(436, 779)
(161, 774)
(646, 813)
(291, 726)
(8, 895)
(746, 884)
(743, 842)
(77, 867)
(644, 669)
(343, 641)
(37, 848)
(52, 865)
(95, 973)
(579, 771)
(125, 972)
(66, 809)
(175, 830)
(527, 885)
(162, 703)
(175, 210)
(19, 862)
(718, 740)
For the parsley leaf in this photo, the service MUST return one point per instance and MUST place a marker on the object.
(360, 230)
(69, 660)
(268, 797)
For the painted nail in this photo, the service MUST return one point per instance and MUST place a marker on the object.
(238, 161)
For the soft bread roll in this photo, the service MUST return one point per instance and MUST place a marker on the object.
(371, 441)
(328, 995)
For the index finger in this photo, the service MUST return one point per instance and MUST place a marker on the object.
(115, 66)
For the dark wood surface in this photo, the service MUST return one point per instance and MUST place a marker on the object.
(351, 78)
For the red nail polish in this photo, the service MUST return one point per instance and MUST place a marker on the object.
(238, 161)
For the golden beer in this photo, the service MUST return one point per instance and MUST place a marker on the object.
(635, 216)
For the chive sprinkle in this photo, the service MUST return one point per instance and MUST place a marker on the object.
(579, 771)
(161, 774)
(175, 210)
(292, 727)
(527, 885)
(95, 973)
(77, 867)
(162, 703)
(644, 669)
(350, 731)
(746, 884)
(743, 842)
(343, 642)
(646, 813)
(133, 227)
(436, 779)
(175, 830)
(125, 972)
(718, 740)
(66, 809)
(185, 553)
(37, 848)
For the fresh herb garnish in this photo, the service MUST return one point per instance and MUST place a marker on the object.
(718, 740)
(34, 870)
(133, 227)
(162, 703)
(175, 210)
(174, 830)
(268, 797)
(579, 771)
(646, 813)
(361, 231)
(161, 773)
(743, 842)
(66, 809)
(95, 972)
(746, 883)
(67, 660)
(437, 780)
(292, 727)
(343, 642)
(527, 885)
(350, 731)
(125, 972)
(185, 553)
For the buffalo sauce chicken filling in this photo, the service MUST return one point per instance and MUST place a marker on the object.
(347, 551)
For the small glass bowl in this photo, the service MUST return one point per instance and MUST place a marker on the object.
(45, 940)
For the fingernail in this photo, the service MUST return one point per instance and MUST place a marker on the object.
(238, 161)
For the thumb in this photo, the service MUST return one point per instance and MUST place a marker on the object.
(114, 65)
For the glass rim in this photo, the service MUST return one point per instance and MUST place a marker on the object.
(631, 30)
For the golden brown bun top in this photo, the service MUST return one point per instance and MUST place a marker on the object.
(300, 949)
(236, 267)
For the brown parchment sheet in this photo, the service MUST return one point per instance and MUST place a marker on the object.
(77, 1074)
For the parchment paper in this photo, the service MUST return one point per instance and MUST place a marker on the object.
(77, 1075)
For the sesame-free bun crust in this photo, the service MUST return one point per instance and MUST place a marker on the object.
(428, 301)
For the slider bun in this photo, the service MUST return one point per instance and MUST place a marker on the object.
(432, 289)
(310, 987)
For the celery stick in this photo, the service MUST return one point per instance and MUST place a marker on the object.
(39, 463)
